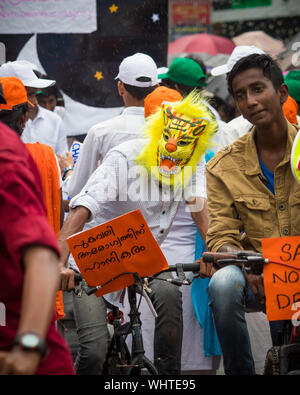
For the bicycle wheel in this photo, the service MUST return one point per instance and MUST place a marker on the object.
(117, 359)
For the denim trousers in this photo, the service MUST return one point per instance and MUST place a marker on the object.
(93, 336)
(230, 297)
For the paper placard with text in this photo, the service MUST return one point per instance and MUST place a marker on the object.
(124, 244)
(282, 283)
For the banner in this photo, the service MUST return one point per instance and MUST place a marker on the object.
(47, 16)
(282, 279)
(122, 245)
(190, 17)
(250, 3)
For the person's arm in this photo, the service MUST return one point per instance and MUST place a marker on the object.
(223, 224)
(198, 208)
(73, 224)
(40, 285)
(62, 142)
(86, 164)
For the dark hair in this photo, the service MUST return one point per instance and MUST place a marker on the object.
(12, 117)
(221, 105)
(138, 92)
(50, 90)
(184, 90)
(199, 61)
(269, 67)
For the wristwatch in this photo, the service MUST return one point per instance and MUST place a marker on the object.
(30, 341)
(66, 171)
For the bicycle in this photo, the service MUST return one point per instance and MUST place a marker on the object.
(119, 360)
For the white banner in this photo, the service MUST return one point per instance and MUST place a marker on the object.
(47, 16)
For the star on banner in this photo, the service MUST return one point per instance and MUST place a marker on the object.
(98, 75)
(113, 8)
(155, 18)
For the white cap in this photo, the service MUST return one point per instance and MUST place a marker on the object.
(162, 70)
(24, 71)
(239, 52)
(137, 66)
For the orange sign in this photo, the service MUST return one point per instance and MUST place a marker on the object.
(122, 245)
(282, 281)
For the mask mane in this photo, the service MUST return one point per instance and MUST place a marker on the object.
(178, 135)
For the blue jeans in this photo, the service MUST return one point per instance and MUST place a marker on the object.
(230, 296)
(90, 317)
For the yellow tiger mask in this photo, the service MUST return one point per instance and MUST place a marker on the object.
(179, 133)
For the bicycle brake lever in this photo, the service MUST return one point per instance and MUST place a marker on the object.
(178, 281)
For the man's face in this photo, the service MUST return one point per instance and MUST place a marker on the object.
(257, 98)
(48, 102)
(31, 94)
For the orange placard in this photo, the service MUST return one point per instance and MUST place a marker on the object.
(124, 244)
(282, 282)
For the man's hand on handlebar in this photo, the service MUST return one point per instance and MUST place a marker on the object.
(67, 282)
(207, 269)
(250, 262)
(256, 283)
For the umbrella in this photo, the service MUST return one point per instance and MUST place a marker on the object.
(289, 59)
(261, 40)
(202, 42)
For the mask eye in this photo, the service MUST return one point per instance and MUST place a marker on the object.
(182, 143)
(166, 137)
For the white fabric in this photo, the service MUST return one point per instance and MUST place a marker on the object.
(23, 70)
(60, 111)
(46, 128)
(239, 52)
(99, 140)
(233, 130)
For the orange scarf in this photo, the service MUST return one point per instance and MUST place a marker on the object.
(44, 157)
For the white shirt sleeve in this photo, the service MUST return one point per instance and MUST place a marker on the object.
(62, 143)
(197, 184)
(103, 185)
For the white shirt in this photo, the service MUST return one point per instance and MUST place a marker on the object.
(233, 130)
(46, 128)
(119, 186)
(99, 140)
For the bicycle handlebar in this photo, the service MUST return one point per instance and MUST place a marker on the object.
(250, 261)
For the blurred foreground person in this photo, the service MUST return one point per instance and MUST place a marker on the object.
(29, 341)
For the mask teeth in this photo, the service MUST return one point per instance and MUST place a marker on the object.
(173, 160)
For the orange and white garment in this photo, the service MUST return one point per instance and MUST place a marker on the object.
(45, 160)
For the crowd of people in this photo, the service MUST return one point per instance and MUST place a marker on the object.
(222, 179)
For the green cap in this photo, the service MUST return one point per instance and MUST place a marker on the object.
(185, 71)
(292, 79)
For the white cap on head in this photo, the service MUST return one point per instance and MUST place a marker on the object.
(136, 67)
(162, 70)
(238, 53)
(24, 71)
